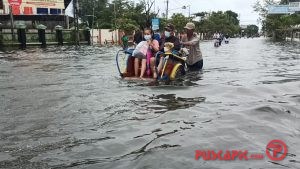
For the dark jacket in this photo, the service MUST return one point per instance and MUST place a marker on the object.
(138, 37)
(173, 40)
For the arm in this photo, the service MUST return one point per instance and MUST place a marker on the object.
(192, 42)
(161, 47)
(177, 45)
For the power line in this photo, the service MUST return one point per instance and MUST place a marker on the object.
(181, 5)
(179, 2)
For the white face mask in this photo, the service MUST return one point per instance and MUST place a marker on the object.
(167, 34)
(147, 37)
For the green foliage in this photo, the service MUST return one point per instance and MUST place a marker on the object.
(126, 24)
(86, 11)
(274, 25)
(179, 21)
(163, 23)
(117, 14)
(128, 15)
(252, 30)
(284, 2)
(224, 22)
(233, 17)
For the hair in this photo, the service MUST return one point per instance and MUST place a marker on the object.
(169, 45)
(149, 29)
(151, 32)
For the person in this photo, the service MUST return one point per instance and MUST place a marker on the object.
(216, 38)
(138, 37)
(226, 39)
(192, 42)
(157, 36)
(221, 39)
(124, 41)
(169, 36)
(144, 51)
(168, 48)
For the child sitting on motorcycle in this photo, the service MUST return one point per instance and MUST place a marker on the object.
(167, 49)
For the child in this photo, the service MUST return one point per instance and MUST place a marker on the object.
(143, 49)
(167, 49)
(124, 41)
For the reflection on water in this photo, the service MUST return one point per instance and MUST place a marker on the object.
(67, 108)
(166, 102)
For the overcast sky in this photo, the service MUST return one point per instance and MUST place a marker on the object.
(242, 7)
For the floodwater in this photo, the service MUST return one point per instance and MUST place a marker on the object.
(67, 108)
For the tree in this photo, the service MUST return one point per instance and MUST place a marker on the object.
(179, 21)
(86, 12)
(163, 23)
(123, 14)
(252, 30)
(262, 7)
(224, 22)
(275, 25)
(126, 24)
(284, 2)
(233, 17)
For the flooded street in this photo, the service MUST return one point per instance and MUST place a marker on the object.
(66, 108)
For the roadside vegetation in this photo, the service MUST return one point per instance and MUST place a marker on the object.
(276, 26)
(128, 16)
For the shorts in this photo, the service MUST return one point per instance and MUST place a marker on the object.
(140, 55)
(196, 67)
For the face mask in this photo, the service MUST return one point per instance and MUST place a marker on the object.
(147, 37)
(167, 34)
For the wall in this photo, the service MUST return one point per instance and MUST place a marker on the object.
(32, 24)
(103, 36)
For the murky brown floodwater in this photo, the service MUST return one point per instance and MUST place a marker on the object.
(67, 108)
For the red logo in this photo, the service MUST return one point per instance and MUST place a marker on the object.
(15, 2)
(278, 146)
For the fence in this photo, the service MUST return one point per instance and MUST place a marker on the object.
(23, 37)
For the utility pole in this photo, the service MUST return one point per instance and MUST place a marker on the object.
(154, 6)
(12, 23)
(115, 22)
(189, 11)
(77, 21)
(76, 24)
(167, 10)
(93, 22)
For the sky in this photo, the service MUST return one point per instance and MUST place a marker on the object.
(243, 7)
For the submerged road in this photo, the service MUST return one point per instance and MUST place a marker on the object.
(67, 108)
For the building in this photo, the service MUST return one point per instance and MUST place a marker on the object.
(33, 7)
(47, 12)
